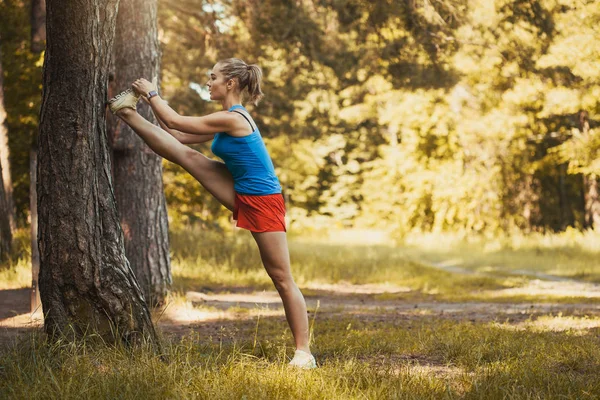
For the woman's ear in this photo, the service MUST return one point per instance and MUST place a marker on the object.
(230, 84)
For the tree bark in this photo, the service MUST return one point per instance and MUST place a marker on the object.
(38, 44)
(592, 201)
(85, 279)
(35, 252)
(590, 183)
(5, 209)
(38, 26)
(7, 186)
(137, 169)
(5, 234)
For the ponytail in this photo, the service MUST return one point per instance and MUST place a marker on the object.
(254, 79)
(248, 76)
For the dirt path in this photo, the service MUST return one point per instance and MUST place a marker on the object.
(235, 316)
(212, 314)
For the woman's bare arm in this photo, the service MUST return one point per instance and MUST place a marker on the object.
(221, 121)
(184, 138)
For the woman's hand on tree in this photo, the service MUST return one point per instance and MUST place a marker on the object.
(143, 87)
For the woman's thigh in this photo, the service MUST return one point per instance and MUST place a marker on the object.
(211, 174)
(274, 253)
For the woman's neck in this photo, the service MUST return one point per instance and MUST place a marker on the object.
(230, 101)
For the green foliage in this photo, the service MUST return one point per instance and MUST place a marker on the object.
(22, 95)
(421, 116)
(426, 116)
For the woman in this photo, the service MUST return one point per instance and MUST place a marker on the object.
(245, 183)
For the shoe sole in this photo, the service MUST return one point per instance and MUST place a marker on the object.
(116, 103)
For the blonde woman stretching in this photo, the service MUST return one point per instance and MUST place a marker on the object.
(245, 183)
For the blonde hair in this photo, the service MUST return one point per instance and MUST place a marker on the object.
(249, 76)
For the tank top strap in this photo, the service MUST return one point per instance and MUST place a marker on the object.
(235, 109)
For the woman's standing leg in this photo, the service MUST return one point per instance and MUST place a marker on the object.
(276, 259)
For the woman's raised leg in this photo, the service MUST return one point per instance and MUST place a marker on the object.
(213, 175)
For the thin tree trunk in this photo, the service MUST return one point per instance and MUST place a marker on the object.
(5, 234)
(35, 252)
(137, 169)
(38, 44)
(5, 210)
(563, 198)
(592, 201)
(85, 279)
(38, 26)
(591, 192)
(5, 160)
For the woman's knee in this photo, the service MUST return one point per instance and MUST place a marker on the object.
(283, 281)
(188, 157)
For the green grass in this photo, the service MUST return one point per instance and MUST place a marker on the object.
(419, 359)
(372, 353)
(206, 261)
(203, 261)
(15, 273)
(570, 254)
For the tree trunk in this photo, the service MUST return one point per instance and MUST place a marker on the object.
(38, 26)
(591, 194)
(85, 279)
(38, 44)
(5, 234)
(7, 186)
(137, 169)
(35, 252)
(592, 201)
(565, 209)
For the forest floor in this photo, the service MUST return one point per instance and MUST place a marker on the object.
(386, 322)
(232, 313)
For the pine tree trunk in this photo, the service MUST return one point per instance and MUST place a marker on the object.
(592, 201)
(38, 43)
(9, 211)
(85, 279)
(137, 169)
(35, 252)
(5, 234)
(38, 26)
(591, 193)
(5, 208)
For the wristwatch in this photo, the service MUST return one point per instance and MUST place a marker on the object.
(152, 93)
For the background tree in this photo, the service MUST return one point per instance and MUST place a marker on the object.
(409, 116)
(38, 26)
(38, 44)
(5, 210)
(22, 96)
(7, 187)
(85, 279)
(5, 234)
(137, 169)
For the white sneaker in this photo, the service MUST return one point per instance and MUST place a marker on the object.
(303, 360)
(126, 99)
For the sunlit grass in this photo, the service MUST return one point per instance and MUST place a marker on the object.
(424, 358)
(374, 353)
(238, 265)
(208, 261)
(15, 273)
(570, 254)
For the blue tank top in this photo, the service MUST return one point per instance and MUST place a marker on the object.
(248, 161)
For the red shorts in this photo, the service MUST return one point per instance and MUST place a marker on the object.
(260, 213)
